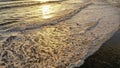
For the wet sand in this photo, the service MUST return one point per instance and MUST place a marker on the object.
(108, 56)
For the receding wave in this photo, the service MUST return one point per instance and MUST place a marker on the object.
(11, 21)
(12, 4)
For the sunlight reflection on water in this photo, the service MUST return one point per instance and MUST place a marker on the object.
(46, 0)
(48, 11)
(43, 0)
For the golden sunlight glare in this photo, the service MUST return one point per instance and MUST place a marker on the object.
(45, 0)
(49, 10)
(46, 11)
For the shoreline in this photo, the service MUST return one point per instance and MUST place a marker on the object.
(107, 56)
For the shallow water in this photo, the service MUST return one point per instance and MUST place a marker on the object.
(26, 13)
(108, 56)
(53, 24)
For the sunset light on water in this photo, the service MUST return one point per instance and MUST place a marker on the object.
(46, 0)
(49, 10)
(46, 10)
(43, 0)
(59, 34)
